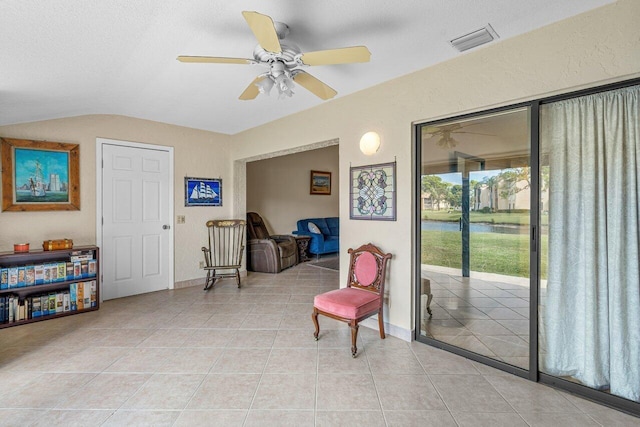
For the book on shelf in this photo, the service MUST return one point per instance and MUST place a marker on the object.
(59, 302)
(10, 316)
(30, 275)
(62, 271)
(66, 301)
(73, 295)
(52, 303)
(81, 255)
(13, 277)
(39, 274)
(4, 278)
(22, 278)
(84, 268)
(53, 273)
(44, 304)
(94, 293)
(80, 295)
(87, 295)
(93, 267)
(69, 274)
(77, 272)
(21, 311)
(46, 274)
(36, 307)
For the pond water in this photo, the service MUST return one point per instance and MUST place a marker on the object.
(475, 227)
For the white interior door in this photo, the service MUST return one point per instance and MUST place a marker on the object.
(136, 226)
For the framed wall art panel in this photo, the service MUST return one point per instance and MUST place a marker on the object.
(320, 183)
(202, 191)
(40, 175)
(373, 192)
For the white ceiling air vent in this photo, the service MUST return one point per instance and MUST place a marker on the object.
(474, 39)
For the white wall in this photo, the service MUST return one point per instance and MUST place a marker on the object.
(278, 188)
(196, 153)
(592, 48)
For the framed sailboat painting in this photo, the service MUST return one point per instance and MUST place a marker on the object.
(202, 192)
(39, 175)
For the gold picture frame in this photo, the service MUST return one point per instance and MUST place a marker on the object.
(320, 183)
(40, 175)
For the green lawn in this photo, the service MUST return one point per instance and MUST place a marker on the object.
(506, 254)
(515, 218)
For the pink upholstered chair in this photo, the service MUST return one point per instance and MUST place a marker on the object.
(363, 295)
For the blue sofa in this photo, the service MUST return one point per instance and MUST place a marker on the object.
(325, 243)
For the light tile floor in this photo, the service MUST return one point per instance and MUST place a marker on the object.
(247, 357)
(489, 316)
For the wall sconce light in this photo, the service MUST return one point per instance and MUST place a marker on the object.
(369, 143)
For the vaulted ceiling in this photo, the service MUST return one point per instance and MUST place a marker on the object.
(75, 57)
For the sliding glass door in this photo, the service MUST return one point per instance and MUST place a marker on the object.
(529, 243)
(474, 240)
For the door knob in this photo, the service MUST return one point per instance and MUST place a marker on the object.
(166, 227)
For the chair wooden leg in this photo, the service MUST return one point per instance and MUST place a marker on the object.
(207, 281)
(314, 317)
(429, 298)
(354, 337)
(381, 324)
(238, 277)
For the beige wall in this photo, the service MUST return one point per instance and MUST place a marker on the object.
(196, 153)
(596, 47)
(278, 188)
(587, 50)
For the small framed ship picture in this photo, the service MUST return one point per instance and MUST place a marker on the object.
(202, 192)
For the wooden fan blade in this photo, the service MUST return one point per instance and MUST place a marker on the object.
(314, 85)
(264, 30)
(344, 55)
(215, 60)
(441, 128)
(252, 90)
(472, 133)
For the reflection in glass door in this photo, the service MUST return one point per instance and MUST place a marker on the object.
(474, 240)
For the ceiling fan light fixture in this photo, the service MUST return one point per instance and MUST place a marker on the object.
(265, 85)
(474, 38)
(284, 85)
(447, 142)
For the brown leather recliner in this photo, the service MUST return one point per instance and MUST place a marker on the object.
(265, 253)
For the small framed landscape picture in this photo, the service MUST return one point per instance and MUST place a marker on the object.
(202, 192)
(320, 183)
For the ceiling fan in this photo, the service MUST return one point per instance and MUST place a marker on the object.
(284, 60)
(444, 134)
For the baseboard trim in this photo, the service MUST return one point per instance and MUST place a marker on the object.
(189, 283)
(389, 329)
(198, 282)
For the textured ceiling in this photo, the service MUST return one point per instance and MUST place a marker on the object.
(74, 57)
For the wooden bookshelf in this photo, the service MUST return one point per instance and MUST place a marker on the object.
(26, 290)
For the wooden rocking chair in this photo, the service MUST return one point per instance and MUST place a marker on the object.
(223, 257)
